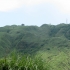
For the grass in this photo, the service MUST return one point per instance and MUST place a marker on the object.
(56, 61)
(16, 62)
(47, 61)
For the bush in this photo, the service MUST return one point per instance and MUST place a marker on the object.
(22, 63)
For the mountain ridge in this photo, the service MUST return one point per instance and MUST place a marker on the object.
(30, 39)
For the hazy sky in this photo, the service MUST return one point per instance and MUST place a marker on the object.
(34, 12)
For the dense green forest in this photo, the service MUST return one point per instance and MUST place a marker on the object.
(50, 42)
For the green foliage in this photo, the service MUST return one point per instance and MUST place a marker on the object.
(22, 63)
(30, 39)
(52, 42)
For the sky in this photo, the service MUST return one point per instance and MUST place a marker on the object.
(34, 12)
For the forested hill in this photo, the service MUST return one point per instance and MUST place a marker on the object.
(30, 39)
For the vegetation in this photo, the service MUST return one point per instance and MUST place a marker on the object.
(51, 42)
(16, 62)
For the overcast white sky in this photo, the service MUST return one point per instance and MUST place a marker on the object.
(34, 12)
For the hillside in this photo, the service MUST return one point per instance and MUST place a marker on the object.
(30, 39)
(50, 42)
